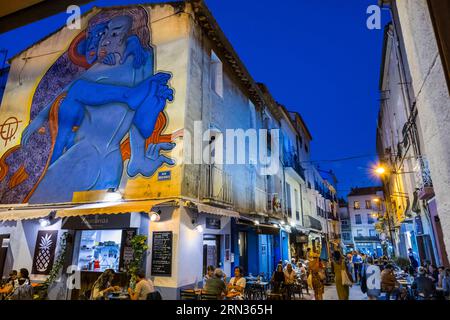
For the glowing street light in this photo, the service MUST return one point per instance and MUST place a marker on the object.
(380, 170)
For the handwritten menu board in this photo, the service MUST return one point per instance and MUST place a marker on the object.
(162, 253)
(126, 250)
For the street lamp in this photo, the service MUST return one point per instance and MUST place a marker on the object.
(380, 170)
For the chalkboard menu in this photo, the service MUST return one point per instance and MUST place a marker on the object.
(162, 253)
(126, 250)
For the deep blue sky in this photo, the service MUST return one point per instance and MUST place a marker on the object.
(316, 57)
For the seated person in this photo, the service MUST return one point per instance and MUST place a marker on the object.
(102, 285)
(22, 287)
(389, 283)
(8, 286)
(143, 287)
(236, 286)
(215, 284)
(209, 274)
(423, 286)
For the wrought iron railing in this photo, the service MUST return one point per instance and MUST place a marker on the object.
(217, 185)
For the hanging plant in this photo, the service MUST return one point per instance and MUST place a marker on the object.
(42, 290)
(140, 247)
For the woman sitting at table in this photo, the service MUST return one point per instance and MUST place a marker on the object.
(236, 286)
(103, 285)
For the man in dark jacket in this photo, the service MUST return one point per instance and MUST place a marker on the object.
(423, 286)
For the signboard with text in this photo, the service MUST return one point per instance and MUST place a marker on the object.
(162, 253)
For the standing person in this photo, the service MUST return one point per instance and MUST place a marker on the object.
(373, 279)
(357, 261)
(317, 274)
(389, 282)
(22, 286)
(308, 253)
(433, 273)
(304, 276)
(413, 260)
(236, 286)
(102, 286)
(278, 278)
(143, 287)
(290, 278)
(339, 265)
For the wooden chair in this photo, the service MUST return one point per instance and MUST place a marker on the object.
(208, 296)
(188, 295)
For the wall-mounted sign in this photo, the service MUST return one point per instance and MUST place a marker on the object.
(164, 175)
(213, 223)
(44, 252)
(162, 254)
(98, 221)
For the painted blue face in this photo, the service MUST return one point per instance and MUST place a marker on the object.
(115, 36)
(94, 35)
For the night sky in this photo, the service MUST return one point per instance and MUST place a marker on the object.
(316, 57)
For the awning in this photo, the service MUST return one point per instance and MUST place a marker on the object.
(215, 210)
(113, 207)
(24, 214)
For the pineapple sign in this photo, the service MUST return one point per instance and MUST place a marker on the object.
(44, 253)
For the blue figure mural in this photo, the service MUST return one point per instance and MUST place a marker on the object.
(118, 96)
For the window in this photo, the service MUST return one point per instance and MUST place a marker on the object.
(359, 232)
(100, 250)
(368, 204)
(288, 199)
(372, 233)
(297, 204)
(216, 74)
(344, 222)
(358, 219)
(346, 236)
(370, 218)
(356, 205)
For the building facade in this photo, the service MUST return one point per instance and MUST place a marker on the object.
(150, 130)
(410, 136)
(365, 209)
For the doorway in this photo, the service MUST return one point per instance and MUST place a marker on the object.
(4, 244)
(211, 251)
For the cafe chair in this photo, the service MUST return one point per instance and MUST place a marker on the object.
(208, 296)
(154, 296)
(188, 295)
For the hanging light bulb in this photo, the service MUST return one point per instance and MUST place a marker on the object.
(256, 222)
(199, 228)
(44, 222)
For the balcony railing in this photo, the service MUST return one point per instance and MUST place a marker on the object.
(423, 178)
(261, 201)
(292, 161)
(217, 185)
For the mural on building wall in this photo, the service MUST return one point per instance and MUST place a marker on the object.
(96, 113)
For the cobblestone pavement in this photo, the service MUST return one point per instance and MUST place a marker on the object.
(331, 293)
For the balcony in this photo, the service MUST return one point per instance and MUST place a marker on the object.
(216, 185)
(367, 238)
(423, 178)
(291, 161)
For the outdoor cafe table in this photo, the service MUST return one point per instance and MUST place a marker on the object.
(258, 287)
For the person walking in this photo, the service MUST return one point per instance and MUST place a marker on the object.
(413, 260)
(317, 274)
(339, 266)
(357, 262)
